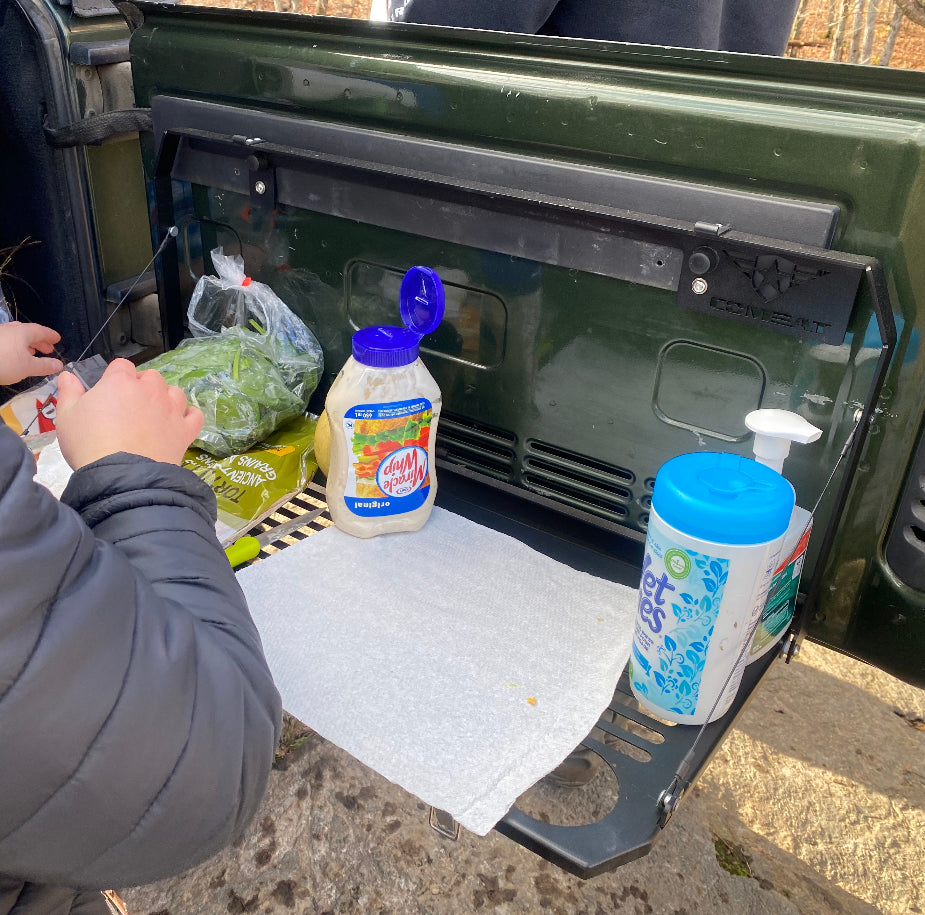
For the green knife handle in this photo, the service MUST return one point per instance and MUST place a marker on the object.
(242, 550)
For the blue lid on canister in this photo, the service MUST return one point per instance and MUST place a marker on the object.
(421, 302)
(723, 498)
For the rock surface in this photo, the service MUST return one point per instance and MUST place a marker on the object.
(814, 805)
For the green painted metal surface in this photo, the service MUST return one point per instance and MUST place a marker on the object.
(119, 206)
(117, 182)
(575, 385)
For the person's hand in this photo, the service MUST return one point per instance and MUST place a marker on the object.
(19, 344)
(125, 411)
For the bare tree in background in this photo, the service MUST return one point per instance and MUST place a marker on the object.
(857, 28)
(895, 25)
(852, 28)
(914, 9)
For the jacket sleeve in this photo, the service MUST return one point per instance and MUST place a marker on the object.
(138, 718)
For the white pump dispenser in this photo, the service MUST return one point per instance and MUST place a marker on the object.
(774, 431)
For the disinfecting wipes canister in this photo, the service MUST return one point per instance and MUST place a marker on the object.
(714, 538)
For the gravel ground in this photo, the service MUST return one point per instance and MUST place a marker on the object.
(814, 805)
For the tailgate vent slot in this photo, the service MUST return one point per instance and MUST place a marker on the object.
(584, 483)
(905, 549)
(480, 448)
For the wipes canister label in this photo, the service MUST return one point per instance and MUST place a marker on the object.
(680, 593)
(389, 472)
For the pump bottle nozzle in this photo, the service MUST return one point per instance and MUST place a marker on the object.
(774, 431)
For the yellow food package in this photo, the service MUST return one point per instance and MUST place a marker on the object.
(251, 485)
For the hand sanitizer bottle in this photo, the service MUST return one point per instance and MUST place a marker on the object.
(774, 431)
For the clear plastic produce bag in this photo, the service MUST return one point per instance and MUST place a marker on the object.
(233, 299)
(251, 364)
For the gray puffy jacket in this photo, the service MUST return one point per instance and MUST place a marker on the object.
(138, 718)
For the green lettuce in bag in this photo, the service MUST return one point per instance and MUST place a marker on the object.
(251, 364)
(237, 379)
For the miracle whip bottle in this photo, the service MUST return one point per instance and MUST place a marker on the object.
(383, 409)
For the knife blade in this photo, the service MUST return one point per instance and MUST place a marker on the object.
(246, 548)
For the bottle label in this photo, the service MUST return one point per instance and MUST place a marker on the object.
(680, 593)
(782, 597)
(389, 473)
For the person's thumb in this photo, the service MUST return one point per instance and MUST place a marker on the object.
(45, 365)
(70, 390)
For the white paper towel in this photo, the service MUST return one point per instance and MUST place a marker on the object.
(51, 470)
(455, 661)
